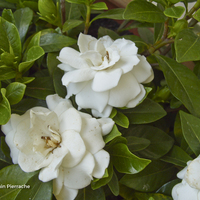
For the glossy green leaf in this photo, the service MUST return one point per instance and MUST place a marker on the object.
(111, 14)
(191, 131)
(113, 134)
(174, 1)
(142, 10)
(8, 15)
(151, 178)
(114, 184)
(89, 194)
(182, 82)
(187, 46)
(38, 190)
(174, 12)
(196, 15)
(40, 88)
(121, 120)
(162, 2)
(86, 2)
(23, 18)
(160, 144)
(177, 156)
(13, 175)
(137, 143)
(146, 112)
(104, 31)
(52, 42)
(9, 38)
(7, 72)
(126, 162)
(5, 111)
(99, 6)
(15, 92)
(25, 80)
(8, 59)
(71, 23)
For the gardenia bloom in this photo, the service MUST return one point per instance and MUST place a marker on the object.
(61, 141)
(189, 188)
(104, 74)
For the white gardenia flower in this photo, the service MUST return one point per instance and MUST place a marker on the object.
(65, 144)
(189, 188)
(104, 74)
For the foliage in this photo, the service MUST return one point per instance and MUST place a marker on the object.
(148, 144)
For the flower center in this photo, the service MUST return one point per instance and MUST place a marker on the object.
(52, 141)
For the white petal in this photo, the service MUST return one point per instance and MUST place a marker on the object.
(80, 176)
(65, 67)
(106, 41)
(143, 71)
(70, 120)
(102, 159)
(91, 135)
(86, 42)
(71, 57)
(58, 183)
(126, 90)
(134, 102)
(73, 141)
(87, 98)
(93, 56)
(100, 48)
(105, 80)
(182, 173)
(7, 127)
(75, 76)
(106, 125)
(105, 113)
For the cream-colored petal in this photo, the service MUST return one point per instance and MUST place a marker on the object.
(106, 125)
(58, 182)
(65, 67)
(102, 159)
(92, 56)
(105, 113)
(106, 41)
(80, 176)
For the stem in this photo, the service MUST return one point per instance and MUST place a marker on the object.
(165, 30)
(87, 21)
(62, 7)
(192, 10)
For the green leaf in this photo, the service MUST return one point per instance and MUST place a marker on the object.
(86, 2)
(182, 82)
(38, 190)
(8, 59)
(151, 178)
(31, 4)
(121, 120)
(99, 6)
(7, 72)
(146, 112)
(4, 161)
(104, 31)
(23, 18)
(113, 134)
(52, 62)
(13, 175)
(111, 14)
(191, 131)
(10, 39)
(150, 196)
(15, 92)
(126, 162)
(71, 23)
(146, 35)
(5, 4)
(114, 184)
(52, 42)
(25, 80)
(8, 15)
(174, 12)
(141, 10)
(187, 46)
(197, 15)
(137, 143)
(40, 88)
(5, 149)
(160, 144)
(158, 31)
(177, 156)
(5, 111)
(89, 194)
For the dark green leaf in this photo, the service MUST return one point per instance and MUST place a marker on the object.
(104, 31)
(113, 134)
(89, 194)
(146, 112)
(126, 162)
(5, 111)
(13, 175)
(5, 149)
(7, 72)
(52, 62)
(5, 4)
(15, 92)
(40, 88)
(191, 131)
(86, 2)
(114, 185)
(23, 18)
(150, 196)
(99, 6)
(151, 178)
(52, 42)
(160, 144)
(25, 80)
(32, 5)
(146, 35)
(71, 23)
(187, 46)
(121, 120)
(158, 31)
(182, 82)
(177, 156)
(72, 11)
(137, 143)
(142, 10)
(8, 15)
(174, 12)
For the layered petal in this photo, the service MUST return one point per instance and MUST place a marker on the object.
(65, 67)
(75, 88)
(106, 41)
(94, 57)
(106, 125)
(105, 113)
